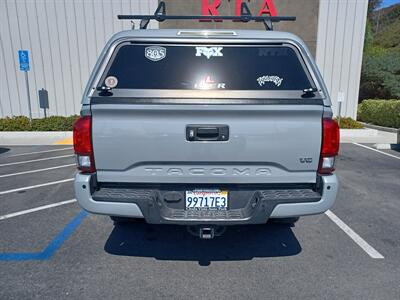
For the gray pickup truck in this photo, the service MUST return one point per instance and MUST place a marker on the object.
(206, 128)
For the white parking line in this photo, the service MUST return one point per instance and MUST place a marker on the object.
(33, 160)
(38, 152)
(354, 236)
(388, 154)
(37, 170)
(35, 186)
(28, 211)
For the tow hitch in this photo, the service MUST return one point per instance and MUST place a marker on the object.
(206, 232)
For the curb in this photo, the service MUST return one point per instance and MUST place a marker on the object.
(67, 141)
(381, 128)
(387, 147)
(15, 138)
(19, 138)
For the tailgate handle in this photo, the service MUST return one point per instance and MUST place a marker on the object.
(207, 132)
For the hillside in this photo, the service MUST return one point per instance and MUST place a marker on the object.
(386, 26)
(380, 75)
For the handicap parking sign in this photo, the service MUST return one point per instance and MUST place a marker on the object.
(23, 60)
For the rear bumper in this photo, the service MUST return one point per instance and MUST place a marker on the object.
(146, 203)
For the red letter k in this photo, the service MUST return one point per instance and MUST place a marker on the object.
(210, 8)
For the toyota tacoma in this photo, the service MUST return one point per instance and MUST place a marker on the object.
(206, 128)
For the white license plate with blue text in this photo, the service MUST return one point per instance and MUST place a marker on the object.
(207, 200)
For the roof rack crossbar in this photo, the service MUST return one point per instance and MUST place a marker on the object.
(160, 15)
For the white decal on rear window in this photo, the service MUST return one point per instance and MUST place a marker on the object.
(111, 81)
(155, 53)
(209, 84)
(209, 51)
(274, 79)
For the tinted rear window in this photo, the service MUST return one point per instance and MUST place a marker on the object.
(206, 67)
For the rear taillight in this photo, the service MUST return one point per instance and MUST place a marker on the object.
(329, 147)
(83, 144)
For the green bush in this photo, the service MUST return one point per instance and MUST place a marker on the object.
(380, 112)
(54, 123)
(349, 123)
(380, 74)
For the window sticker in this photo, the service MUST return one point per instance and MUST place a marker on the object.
(111, 81)
(209, 84)
(209, 51)
(268, 78)
(155, 53)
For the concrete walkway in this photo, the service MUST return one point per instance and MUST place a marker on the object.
(367, 135)
(11, 138)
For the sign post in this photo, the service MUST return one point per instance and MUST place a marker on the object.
(340, 99)
(24, 66)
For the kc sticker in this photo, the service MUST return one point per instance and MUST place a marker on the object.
(111, 81)
(209, 51)
(155, 53)
(274, 79)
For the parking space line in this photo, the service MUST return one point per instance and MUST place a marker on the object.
(38, 152)
(37, 170)
(33, 160)
(31, 210)
(354, 236)
(54, 245)
(388, 154)
(35, 186)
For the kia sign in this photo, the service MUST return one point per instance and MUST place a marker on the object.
(210, 8)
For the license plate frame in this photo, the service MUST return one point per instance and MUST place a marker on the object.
(207, 199)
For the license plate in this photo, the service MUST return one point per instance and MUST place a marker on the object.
(207, 200)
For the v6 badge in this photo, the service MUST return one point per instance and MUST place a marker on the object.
(155, 53)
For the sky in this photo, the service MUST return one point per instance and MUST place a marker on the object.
(387, 3)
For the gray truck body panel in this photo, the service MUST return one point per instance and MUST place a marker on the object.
(155, 149)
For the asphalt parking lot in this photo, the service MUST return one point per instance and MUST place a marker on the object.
(50, 248)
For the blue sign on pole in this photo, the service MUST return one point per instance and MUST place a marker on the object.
(23, 60)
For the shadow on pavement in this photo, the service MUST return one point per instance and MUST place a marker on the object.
(395, 147)
(4, 150)
(167, 242)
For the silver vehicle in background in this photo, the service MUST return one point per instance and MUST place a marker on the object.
(206, 128)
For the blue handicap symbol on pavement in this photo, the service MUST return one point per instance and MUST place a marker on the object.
(54, 245)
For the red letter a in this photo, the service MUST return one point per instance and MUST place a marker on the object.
(268, 8)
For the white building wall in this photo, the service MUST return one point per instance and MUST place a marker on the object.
(64, 38)
(340, 42)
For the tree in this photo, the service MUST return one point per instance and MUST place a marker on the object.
(373, 5)
(380, 75)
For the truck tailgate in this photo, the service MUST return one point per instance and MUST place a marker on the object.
(140, 143)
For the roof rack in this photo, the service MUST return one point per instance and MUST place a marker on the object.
(160, 15)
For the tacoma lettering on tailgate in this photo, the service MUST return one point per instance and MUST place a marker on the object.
(208, 171)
